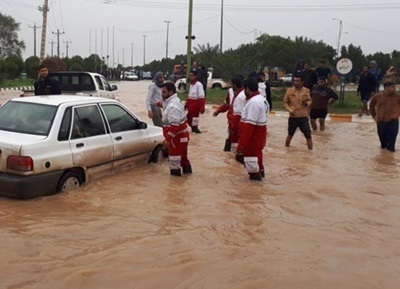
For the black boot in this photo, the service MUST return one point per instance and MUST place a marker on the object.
(176, 172)
(227, 147)
(165, 153)
(239, 158)
(187, 169)
(195, 129)
(255, 176)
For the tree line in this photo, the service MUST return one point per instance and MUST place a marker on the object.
(268, 51)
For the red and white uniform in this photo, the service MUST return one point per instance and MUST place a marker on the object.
(175, 132)
(233, 105)
(237, 108)
(253, 132)
(195, 103)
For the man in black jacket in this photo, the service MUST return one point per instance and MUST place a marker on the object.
(45, 85)
(366, 88)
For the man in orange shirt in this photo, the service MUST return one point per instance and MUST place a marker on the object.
(297, 101)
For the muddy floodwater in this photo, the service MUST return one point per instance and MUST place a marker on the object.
(327, 218)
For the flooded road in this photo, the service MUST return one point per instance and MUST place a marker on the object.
(328, 218)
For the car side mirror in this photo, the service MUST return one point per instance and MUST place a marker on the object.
(114, 87)
(143, 125)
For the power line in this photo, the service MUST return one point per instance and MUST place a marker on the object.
(257, 8)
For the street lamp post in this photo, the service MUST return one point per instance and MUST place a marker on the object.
(132, 55)
(166, 45)
(340, 35)
(144, 49)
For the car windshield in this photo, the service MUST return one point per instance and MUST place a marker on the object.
(28, 118)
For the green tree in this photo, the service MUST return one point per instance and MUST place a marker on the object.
(76, 60)
(14, 65)
(9, 42)
(92, 63)
(54, 64)
(11, 70)
(76, 67)
(31, 65)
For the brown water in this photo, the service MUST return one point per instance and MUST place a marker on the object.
(328, 218)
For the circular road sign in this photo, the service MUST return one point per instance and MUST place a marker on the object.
(344, 66)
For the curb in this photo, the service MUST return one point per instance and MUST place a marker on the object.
(18, 88)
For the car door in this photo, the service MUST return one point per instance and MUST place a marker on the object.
(90, 143)
(105, 89)
(130, 138)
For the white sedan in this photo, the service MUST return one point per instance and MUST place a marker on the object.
(56, 143)
(287, 78)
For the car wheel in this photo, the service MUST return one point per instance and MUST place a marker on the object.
(156, 155)
(69, 181)
(217, 86)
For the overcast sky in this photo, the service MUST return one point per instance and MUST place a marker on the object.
(365, 23)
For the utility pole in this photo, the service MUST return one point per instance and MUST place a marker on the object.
(132, 54)
(108, 44)
(58, 41)
(144, 49)
(123, 57)
(44, 9)
(67, 42)
(113, 51)
(340, 35)
(222, 25)
(166, 46)
(189, 38)
(52, 46)
(34, 37)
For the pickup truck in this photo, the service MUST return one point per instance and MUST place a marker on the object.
(82, 83)
(212, 83)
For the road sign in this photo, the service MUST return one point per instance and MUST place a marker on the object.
(344, 66)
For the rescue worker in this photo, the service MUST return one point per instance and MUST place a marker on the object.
(195, 102)
(253, 130)
(233, 105)
(175, 131)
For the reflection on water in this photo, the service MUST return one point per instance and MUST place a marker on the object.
(321, 219)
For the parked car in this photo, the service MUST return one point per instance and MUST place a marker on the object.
(130, 76)
(147, 75)
(287, 78)
(55, 143)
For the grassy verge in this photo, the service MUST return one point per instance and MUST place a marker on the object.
(16, 83)
(351, 102)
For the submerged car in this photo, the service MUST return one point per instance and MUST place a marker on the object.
(55, 143)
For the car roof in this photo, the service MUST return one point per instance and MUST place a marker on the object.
(72, 72)
(61, 99)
